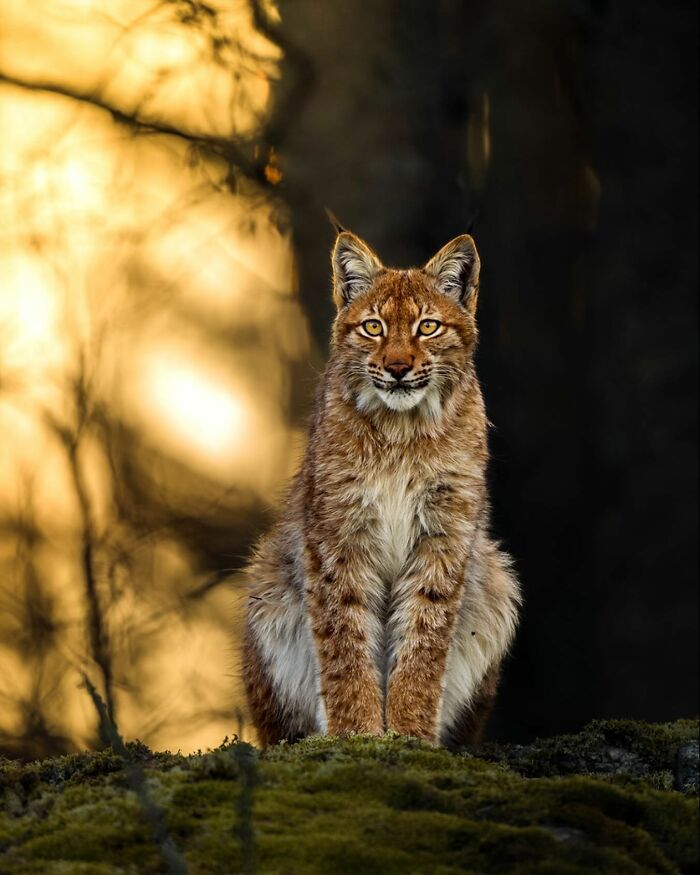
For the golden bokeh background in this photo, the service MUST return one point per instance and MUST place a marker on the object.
(148, 321)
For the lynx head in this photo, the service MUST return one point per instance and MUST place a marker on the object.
(403, 339)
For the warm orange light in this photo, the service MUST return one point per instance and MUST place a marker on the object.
(28, 315)
(136, 289)
(201, 410)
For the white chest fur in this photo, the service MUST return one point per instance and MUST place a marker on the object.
(395, 505)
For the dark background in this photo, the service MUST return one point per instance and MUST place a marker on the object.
(587, 228)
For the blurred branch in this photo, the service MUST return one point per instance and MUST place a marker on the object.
(221, 576)
(245, 754)
(97, 630)
(234, 152)
(137, 782)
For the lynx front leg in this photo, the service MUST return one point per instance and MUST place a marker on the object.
(423, 618)
(425, 604)
(346, 632)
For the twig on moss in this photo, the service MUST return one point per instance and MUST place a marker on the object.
(245, 755)
(137, 783)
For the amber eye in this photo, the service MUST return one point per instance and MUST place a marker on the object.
(373, 327)
(428, 326)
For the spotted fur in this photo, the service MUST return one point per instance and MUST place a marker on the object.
(379, 600)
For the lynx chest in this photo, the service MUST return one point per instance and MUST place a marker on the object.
(395, 504)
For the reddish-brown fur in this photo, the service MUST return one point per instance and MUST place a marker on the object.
(367, 583)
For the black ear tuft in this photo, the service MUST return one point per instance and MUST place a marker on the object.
(337, 227)
(455, 270)
(472, 222)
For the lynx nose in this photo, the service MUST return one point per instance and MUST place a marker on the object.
(398, 370)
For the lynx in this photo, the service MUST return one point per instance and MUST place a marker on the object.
(379, 601)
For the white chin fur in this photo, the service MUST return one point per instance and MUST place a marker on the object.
(401, 400)
(372, 400)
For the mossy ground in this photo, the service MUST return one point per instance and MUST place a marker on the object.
(597, 802)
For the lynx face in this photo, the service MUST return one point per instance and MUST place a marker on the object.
(404, 337)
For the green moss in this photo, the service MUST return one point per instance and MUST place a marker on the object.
(599, 802)
(605, 747)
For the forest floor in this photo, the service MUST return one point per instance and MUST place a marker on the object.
(619, 797)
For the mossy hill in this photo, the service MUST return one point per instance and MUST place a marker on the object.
(619, 797)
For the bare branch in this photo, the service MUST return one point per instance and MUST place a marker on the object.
(97, 630)
(137, 782)
(238, 154)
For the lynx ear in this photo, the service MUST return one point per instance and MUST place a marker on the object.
(354, 268)
(455, 269)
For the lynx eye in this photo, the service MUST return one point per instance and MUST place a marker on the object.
(428, 327)
(373, 327)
